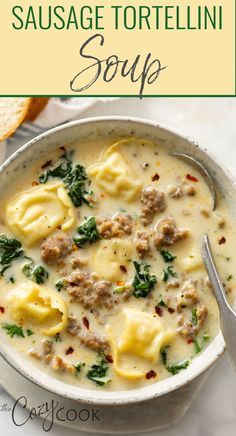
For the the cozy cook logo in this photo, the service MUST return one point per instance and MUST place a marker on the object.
(50, 412)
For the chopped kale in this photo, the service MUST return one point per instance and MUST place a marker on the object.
(10, 250)
(37, 273)
(143, 282)
(88, 232)
(167, 272)
(13, 330)
(98, 372)
(74, 177)
(194, 316)
(29, 332)
(163, 354)
(57, 337)
(79, 366)
(167, 256)
(161, 302)
(60, 284)
(175, 369)
(197, 346)
(229, 277)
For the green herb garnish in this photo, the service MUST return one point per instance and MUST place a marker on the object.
(229, 277)
(10, 250)
(163, 354)
(194, 316)
(98, 372)
(206, 337)
(167, 256)
(143, 283)
(161, 302)
(37, 273)
(88, 232)
(11, 279)
(57, 337)
(74, 177)
(59, 285)
(197, 346)
(29, 332)
(13, 330)
(167, 272)
(175, 369)
(79, 366)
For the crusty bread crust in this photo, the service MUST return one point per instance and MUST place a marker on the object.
(13, 111)
(36, 106)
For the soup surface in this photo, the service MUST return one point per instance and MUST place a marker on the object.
(102, 283)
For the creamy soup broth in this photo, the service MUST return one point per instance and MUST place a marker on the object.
(124, 300)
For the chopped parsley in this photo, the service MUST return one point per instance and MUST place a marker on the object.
(11, 279)
(37, 273)
(88, 232)
(74, 177)
(167, 272)
(13, 330)
(57, 337)
(10, 250)
(143, 282)
(59, 285)
(98, 371)
(194, 316)
(167, 256)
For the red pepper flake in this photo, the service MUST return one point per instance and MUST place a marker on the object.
(62, 148)
(59, 227)
(155, 177)
(109, 358)
(2, 309)
(86, 322)
(70, 350)
(171, 310)
(222, 241)
(123, 268)
(34, 183)
(151, 374)
(191, 178)
(46, 164)
(190, 341)
(159, 311)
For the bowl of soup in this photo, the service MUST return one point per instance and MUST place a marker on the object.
(104, 297)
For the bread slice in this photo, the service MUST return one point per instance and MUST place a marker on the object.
(36, 106)
(13, 111)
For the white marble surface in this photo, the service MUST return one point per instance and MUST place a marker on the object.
(212, 123)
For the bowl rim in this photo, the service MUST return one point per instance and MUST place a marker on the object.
(163, 387)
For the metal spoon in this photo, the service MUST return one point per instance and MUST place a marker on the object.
(202, 170)
(227, 315)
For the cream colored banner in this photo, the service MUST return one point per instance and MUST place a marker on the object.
(141, 47)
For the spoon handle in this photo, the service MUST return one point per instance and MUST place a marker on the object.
(227, 315)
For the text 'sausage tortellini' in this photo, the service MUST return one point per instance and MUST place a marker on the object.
(139, 342)
(110, 255)
(115, 176)
(34, 214)
(38, 306)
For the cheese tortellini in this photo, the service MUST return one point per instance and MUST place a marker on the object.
(115, 176)
(142, 335)
(37, 305)
(110, 255)
(34, 214)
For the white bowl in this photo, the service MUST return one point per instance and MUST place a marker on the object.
(109, 126)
